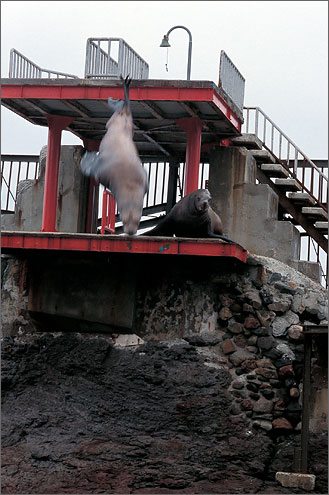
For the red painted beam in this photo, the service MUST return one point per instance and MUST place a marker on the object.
(171, 93)
(120, 244)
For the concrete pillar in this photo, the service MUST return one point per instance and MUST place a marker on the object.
(249, 211)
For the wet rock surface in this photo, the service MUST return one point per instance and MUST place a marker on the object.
(80, 415)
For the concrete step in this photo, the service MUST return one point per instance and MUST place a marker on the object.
(288, 184)
(322, 227)
(262, 156)
(274, 170)
(301, 198)
(249, 141)
(313, 212)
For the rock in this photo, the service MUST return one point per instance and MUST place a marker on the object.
(252, 349)
(238, 384)
(267, 393)
(228, 346)
(235, 327)
(248, 365)
(266, 373)
(262, 331)
(282, 323)
(294, 392)
(239, 356)
(275, 277)
(295, 332)
(266, 296)
(286, 352)
(265, 317)
(296, 480)
(252, 340)
(281, 424)
(251, 322)
(252, 297)
(240, 340)
(265, 342)
(254, 396)
(286, 371)
(264, 363)
(253, 387)
(235, 409)
(263, 424)
(246, 308)
(263, 406)
(280, 307)
(225, 314)
(246, 405)
(285, 288)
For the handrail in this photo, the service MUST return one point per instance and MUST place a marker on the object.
(267, 118)
(20, 67)
(315, 181)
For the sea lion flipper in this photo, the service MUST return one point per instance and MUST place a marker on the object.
(89, 163)
(217, 236)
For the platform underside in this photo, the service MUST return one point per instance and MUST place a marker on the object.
(12, 241)
(157, 107)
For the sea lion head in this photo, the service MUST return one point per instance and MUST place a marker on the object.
(201, 200)
(130, 217)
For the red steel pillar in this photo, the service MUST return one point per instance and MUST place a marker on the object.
(56, 124)
(193, 127)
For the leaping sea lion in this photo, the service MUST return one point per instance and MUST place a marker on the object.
(117, 165)
(192, 216)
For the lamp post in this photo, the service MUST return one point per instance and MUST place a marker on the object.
(165, 44)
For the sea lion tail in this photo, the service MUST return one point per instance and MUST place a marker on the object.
(89, 162)
(126, 84)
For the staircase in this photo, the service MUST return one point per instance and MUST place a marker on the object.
(300, 185)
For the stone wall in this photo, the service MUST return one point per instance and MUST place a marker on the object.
(209, 401)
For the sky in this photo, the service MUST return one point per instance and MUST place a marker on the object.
(280, 47)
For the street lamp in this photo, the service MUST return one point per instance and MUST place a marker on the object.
(165, 44)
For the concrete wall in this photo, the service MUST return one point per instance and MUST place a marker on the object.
(249, 211)
(72, 196)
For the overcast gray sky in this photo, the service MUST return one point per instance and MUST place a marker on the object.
(280, 47)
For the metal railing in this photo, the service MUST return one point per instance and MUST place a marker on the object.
(155, 200)
(101, 64)
(231, 80)
(310, 177)
(20, 67)
(14, 169)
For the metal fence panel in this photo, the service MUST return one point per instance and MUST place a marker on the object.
(20, 67)
(101, 63)
(231, 80)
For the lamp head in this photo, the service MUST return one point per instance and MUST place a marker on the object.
(165, 42)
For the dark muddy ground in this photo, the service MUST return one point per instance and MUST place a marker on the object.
(81, 416)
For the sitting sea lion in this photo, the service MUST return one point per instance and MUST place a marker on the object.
(192, 216)
(117, 165)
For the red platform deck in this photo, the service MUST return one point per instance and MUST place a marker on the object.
(13, 241)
